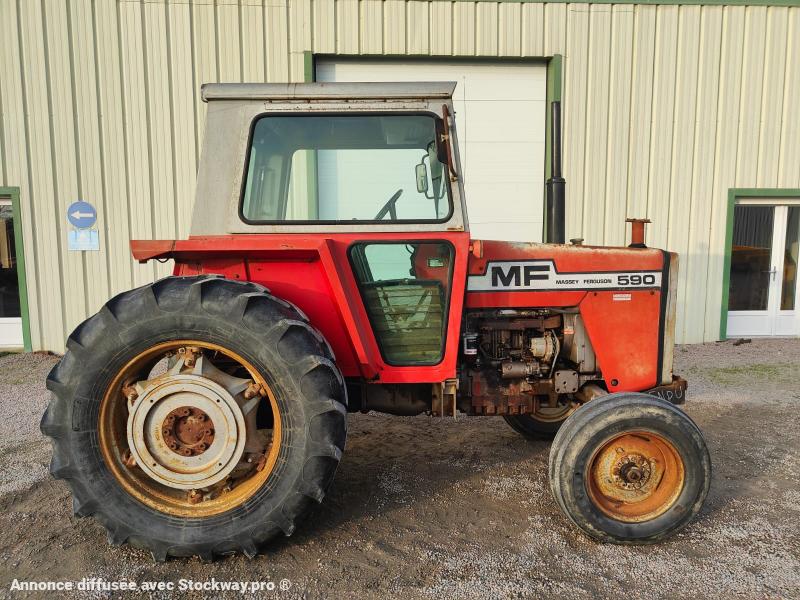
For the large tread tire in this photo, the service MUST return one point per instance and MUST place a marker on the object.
(588, 428)
(274, 336)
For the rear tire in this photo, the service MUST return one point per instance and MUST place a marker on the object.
(272, 336)
(533, 428)
(542, 426)
(629, 468)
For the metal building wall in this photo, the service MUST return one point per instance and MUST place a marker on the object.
(665, 108)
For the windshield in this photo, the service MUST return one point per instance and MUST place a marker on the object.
(345, 168)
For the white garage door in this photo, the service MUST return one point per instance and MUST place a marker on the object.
(500, 116)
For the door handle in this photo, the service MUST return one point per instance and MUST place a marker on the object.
(773, 271)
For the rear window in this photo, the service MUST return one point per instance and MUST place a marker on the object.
(345, 168)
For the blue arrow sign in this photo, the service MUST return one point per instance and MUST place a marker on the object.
(81, 214)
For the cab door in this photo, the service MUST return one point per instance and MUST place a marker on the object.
(406, 288)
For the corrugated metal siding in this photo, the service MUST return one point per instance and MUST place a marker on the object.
(665, 108)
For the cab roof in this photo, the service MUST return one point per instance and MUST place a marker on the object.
(327, 91)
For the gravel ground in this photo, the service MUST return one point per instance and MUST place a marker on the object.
(432, 508)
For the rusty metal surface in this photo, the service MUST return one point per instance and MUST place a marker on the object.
(169, 396)
(177, 488)
(188, 431)
(635, 476)
(444, 399)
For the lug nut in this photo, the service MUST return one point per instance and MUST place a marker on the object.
(127, 459)
(195, 497)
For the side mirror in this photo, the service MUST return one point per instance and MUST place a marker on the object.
(436, 172)
(422, 178)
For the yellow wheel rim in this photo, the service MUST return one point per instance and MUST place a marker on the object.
(184, 442)
(636, 476)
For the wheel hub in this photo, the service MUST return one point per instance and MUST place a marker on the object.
(631, 472)
(186, 431)
(635, 476)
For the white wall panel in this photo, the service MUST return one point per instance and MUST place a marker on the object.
(619, 111)
(730, 92)
(441, 29)
(695, 262)
(596, 141)
(665, 108)
(532, 41)
(680, 190)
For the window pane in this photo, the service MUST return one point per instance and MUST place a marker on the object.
(751, 257)
(9, 285)
(790, 259)
(405, 288)
(345, 168)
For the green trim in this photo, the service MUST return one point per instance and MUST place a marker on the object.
(308, 67)
(734, 195)
(554, 83)
(19, 248)
(654, 2)
(418, 56)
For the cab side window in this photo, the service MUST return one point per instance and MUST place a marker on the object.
(405, 288)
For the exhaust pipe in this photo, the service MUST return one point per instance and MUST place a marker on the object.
(555, 186)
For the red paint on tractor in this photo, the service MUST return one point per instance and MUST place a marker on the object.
(313, 272)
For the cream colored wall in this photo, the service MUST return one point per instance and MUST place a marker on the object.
(665, 108)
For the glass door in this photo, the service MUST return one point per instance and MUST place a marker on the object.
(787, 319)
(10, 315)
(763, 291)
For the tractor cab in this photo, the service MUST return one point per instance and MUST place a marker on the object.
(323, 157)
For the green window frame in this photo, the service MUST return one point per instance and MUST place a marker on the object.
(19, 247)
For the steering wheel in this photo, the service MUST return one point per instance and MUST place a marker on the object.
(389, 207)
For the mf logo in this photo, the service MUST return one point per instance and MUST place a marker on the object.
(542, 275)
(518, 275)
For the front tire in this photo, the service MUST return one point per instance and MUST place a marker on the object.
(629, 468)
(239, 336)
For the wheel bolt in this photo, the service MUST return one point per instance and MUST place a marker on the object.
(127, 459)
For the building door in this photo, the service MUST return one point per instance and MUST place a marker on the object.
(10, 315)
(500, 121)
(763, 293)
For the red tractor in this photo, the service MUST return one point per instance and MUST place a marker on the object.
(330, 269)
